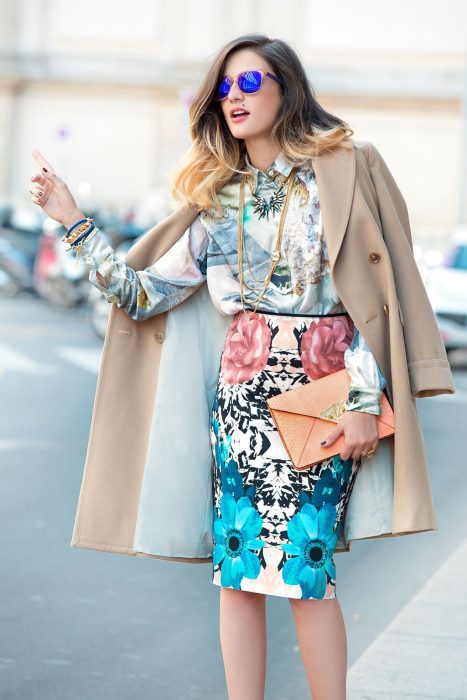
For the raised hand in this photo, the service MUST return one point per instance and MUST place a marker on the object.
(52, 195)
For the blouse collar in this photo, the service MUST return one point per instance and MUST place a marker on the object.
(281, 165)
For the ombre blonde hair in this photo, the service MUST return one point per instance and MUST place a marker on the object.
(303, 127)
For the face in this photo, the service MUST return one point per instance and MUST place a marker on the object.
(262, 106)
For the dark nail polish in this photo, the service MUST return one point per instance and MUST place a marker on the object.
(323, 443)
(45, 170)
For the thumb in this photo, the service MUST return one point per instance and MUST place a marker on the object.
(333, 435)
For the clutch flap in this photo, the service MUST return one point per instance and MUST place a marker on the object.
(320, 398)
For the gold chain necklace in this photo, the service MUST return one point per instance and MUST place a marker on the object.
(276, 255)
(277, 197)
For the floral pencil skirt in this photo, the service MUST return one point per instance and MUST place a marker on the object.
(275, 528)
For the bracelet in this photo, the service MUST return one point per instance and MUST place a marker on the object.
(78, 230)
(77, 223)
(79, 237)
(82, 236)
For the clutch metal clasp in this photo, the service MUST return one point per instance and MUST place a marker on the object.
(334, 411)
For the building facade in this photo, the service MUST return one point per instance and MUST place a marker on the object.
(102, 89)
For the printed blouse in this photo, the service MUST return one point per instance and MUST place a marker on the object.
(208, 252)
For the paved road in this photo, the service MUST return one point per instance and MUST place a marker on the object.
(83, 625)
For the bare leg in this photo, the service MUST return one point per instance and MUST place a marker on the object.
(243, 642)
(323, 645)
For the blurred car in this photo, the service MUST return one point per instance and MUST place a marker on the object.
(446, 286)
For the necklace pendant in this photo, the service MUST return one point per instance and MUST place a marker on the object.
(273, 204)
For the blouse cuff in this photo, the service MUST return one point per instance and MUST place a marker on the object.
(364, 401)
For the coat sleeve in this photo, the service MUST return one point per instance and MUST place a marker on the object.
(428, 366)
(143, 293)
(366, 379)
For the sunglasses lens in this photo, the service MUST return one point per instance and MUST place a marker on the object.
(250, 81)
(222, 89)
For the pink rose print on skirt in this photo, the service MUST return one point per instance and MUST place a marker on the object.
(246, 348)
(324, 343)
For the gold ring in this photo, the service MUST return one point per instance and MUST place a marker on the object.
(369, 453)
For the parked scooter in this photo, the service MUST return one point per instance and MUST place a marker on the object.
(59, 276)
(15, 270)
(8, 286)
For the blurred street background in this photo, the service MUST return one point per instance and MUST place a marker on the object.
(102, 89)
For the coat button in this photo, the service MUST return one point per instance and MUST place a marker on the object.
(374, 257)
(386, 309)
(160, 336)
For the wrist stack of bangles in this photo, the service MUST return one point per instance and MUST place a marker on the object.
(78, 231)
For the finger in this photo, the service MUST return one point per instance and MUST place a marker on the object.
(37, 189)
(366, 449)
(333, 435)
(346, 453)
(39, 178)
(37, 155)
(39, 195)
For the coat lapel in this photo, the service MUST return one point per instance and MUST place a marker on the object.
(335, 178)
(160, 238)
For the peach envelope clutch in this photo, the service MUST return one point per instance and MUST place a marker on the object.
(303, 416)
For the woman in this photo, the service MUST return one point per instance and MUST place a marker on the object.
(257, 132)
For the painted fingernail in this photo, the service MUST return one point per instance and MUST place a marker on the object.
(323, 443)
(41, 193)
(45, 170)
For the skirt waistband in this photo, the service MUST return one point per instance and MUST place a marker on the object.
(279, 313)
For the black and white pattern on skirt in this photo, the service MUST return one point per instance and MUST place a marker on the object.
(275, 528)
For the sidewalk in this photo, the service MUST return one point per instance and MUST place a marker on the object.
(422, 653)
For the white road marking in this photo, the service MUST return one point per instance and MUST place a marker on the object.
(421, 654)
(14, 361)
(29, 444)
(85, 358)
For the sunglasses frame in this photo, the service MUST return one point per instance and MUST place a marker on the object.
(234, 79)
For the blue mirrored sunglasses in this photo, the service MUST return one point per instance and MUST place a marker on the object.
(248, 81)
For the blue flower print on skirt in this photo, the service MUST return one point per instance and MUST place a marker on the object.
(235, 536)
(312, 542)
(275, 528)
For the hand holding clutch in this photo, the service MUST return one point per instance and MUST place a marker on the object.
(360, 430)
(302, 417)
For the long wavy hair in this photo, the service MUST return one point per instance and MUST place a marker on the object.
(303, 127)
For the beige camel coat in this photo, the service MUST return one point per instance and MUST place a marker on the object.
(147, 483)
